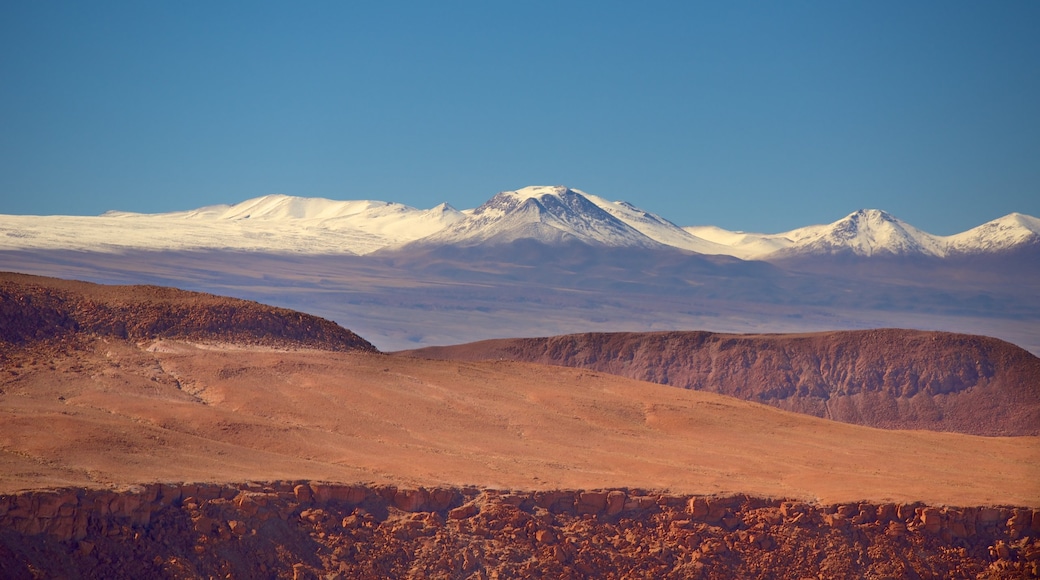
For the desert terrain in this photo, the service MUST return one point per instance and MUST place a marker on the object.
(120, 414)
(889, 378)
(279, 446)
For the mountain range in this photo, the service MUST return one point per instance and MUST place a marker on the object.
(544, 261)
(547, 215)
(240, 432)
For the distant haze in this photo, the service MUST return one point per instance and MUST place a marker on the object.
(550, 260)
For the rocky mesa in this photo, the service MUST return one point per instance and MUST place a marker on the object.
(886, 378)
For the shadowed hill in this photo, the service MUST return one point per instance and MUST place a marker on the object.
(34, 308)
(888, 378)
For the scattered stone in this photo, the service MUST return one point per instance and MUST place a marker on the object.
(395, 532)
(463, 512)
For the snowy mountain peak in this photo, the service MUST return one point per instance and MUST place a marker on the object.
(866, 223)
(866, 232)
(871, 216)
(534, 198)
(549, 214)
(1004, 233)
(444, 207)
(539, 191)
(1018, 221)
(871, 232)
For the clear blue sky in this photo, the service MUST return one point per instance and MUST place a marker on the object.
(760, 116)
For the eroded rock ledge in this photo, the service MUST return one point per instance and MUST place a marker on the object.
(301, 529)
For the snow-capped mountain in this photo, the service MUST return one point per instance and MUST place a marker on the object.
(656, 227)
(867, 232)
(548, 215)
(1010, 232)
(871, 232)
(393, 221)
(272, 223)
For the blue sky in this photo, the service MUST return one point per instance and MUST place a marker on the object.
(760, 116)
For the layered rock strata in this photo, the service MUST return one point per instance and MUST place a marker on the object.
(296, 529)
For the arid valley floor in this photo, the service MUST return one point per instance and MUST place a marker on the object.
(206, 437)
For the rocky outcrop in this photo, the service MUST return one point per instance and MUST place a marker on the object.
(34, 308)
(888, 378)
(316, 530)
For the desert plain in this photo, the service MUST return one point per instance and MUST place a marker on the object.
(150, 432)
(117, 413)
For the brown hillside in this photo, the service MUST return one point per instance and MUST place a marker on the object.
(888, 378)
(34, 308)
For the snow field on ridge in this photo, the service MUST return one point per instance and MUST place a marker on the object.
(549, 214)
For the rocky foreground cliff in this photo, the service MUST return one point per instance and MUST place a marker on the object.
(35, 308)
(303, 530)
(887, 378)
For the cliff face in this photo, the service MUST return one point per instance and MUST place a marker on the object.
(299, 529)
(34, 308)
(889, 378)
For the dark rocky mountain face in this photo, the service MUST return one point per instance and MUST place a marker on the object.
(35, 308)
(895, 379)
